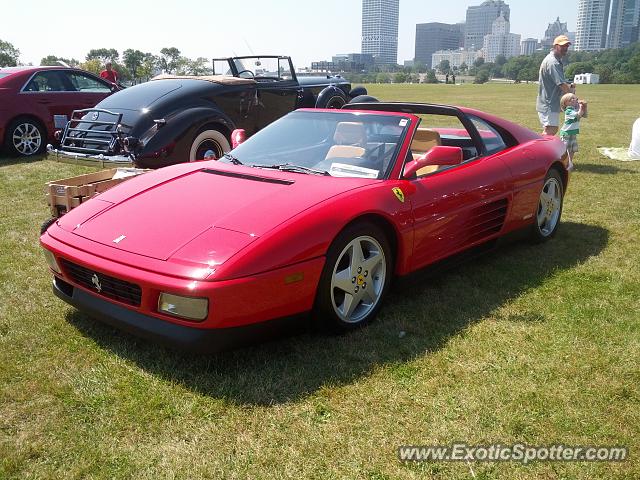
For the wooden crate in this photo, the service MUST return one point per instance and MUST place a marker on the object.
(65, 194)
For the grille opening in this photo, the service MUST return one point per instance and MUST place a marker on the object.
(104, 285)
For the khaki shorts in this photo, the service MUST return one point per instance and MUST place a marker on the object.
(549, 119)
(571, 141)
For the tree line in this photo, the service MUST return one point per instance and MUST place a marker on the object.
(132, 66)
(613, 66)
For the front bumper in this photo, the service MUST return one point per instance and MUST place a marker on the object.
(101, 160)
(173, 335)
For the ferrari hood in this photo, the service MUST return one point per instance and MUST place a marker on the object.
(223, 209)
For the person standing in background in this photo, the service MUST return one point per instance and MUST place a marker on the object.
(109, 74)
(552, 86)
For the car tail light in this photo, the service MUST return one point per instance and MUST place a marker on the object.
(130, 143)
(237, 137)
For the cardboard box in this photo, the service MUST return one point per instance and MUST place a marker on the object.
(67, 193)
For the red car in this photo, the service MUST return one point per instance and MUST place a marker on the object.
(316, 212)
(34, 100)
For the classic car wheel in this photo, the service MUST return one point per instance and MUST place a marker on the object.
(25, 137)
(208, 140)
(549, 207)
(355, 278)
(331, 97)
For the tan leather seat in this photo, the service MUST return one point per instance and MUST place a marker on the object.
(350, 139)
(423, 141)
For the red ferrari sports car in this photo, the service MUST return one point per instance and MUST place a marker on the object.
(315, 213)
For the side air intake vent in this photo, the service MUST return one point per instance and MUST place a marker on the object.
(486, 220)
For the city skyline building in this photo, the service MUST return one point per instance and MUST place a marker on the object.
(380, 30)
(553, 30)
(528, 46)
(455, 57)
(592, 23)
(479, 21)
(434, 36)
(344, 62)
(623, 25)
(501, 41)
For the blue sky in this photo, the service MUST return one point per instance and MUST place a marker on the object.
(306, 30)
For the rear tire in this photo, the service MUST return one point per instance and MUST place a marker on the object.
(355, 278)
(25, 137)
(208, 140)
(331, 97)
(549, 209)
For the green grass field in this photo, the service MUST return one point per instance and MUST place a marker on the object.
(533, 344)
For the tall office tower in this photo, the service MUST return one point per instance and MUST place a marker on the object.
(623, 26)
(431, 37)
(591, 30)
(500, 41)
(380, 30)
(480, 19)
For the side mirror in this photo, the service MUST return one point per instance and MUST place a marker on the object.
(237, 137)
(438, 155)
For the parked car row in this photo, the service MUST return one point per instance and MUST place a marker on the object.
(168, 120)
(173, 119)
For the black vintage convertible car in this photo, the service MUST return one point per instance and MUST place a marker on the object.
(173, 119)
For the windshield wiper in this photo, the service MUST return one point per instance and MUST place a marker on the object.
(232, 159)
(291, 167)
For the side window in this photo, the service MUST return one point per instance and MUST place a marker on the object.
(46, 82)
(85, 83)
(284, 70)
(221, 67)
(492, 140)
(441, 130)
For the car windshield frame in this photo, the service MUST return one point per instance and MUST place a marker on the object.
(335, 143)
(237, 65)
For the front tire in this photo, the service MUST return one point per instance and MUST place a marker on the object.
(208, 140)
(25, 137)
(355, 278)
(46, 224)
(549, 210)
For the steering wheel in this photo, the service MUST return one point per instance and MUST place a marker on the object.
(247, 71)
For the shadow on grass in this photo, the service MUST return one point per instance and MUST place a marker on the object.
(6, 160)
(601, 169)
(429, 312)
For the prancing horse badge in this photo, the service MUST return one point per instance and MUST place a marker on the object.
(398, 193)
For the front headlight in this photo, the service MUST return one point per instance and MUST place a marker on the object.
(51, 261)
(191, 308)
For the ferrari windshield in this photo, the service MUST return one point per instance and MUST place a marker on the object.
(340, 144)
